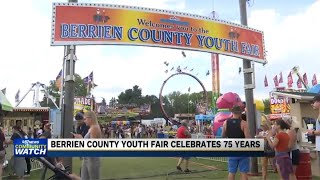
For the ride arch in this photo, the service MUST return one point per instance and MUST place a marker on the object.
(204, 97)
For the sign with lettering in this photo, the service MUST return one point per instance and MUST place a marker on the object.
(279, 105)
(102, 24)
(82, 103)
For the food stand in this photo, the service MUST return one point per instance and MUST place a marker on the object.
(299, 108)
(33, 117)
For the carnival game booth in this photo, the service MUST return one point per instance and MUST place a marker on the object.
(34, 117)
(203, 121)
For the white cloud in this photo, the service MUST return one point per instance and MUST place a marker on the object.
(290, 41)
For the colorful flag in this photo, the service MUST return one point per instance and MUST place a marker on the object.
(17, 97)
(275, 80)
(299, 83)
(305, 79)
(290, 80)
(266, 81)
(59, 80)
(281, 78)
(314, 80)
(4, 91)
(88, 80)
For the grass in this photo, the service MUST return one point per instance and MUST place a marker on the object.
(154, 169)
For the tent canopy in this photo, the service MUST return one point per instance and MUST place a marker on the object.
(315, 89)
(6, 106)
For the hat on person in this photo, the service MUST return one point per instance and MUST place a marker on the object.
(236, 110)
(316, 98)
(79, 116)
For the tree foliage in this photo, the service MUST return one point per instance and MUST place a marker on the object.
(266, 103)
(79, 86)
(174, 103)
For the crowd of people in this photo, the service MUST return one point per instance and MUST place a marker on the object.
(21, 165)
(281, 143)
(282, 140)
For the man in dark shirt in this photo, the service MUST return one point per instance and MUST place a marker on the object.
(47, 132)
(236, 128)
(82, 128)
(46, 135)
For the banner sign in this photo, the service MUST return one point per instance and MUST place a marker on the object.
(139, 147)
(279, 105)
(82, 103)
(101, 24)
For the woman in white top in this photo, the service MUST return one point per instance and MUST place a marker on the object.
(269, 152)
(90, 169)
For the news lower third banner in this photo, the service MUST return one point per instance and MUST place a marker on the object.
(139, 147)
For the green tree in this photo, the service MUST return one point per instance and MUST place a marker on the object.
(266, 103)
(80, 90)
(131, 96)
(112, 102)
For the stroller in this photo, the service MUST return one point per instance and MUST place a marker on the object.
(58, 173)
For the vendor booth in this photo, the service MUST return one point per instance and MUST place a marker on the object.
(304, 117)
(30, 117)
(203, 121)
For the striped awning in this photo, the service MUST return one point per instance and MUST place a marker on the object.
(32, 109)
(4, 102)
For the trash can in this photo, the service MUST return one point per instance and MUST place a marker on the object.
(303, 171)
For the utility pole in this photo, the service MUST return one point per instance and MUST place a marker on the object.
(248, 72)
(68, 108)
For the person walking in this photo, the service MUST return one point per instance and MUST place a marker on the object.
(236, 128)
(19, 163)
(25, 135)
(46, 135)
(2, 151)
(316, 133)
(90, 169)
(183, 133)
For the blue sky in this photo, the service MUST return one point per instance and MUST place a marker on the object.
(287, 26)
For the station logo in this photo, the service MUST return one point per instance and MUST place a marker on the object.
(30, 147)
